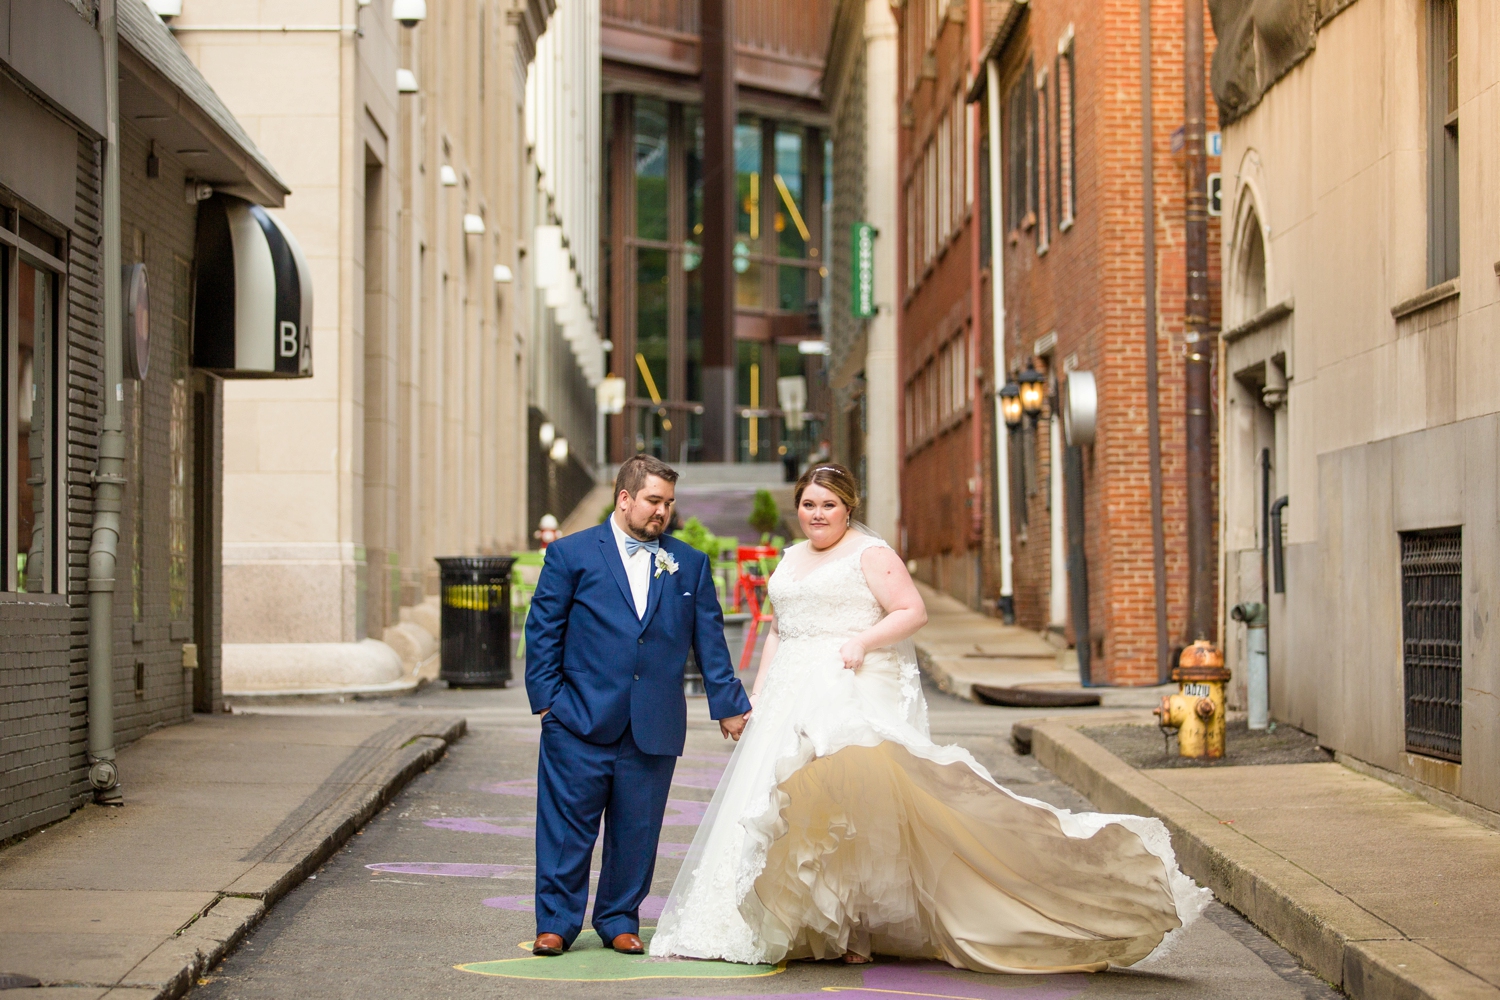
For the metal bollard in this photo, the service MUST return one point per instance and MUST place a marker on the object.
(1197, 710)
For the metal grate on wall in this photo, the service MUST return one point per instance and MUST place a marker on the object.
(1432, 641)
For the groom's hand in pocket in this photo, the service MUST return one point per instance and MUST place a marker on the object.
(732, 726)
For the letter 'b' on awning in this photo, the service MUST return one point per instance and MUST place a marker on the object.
(252, 314)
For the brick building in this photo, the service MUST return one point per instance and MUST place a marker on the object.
(1071, 219)
(175, 139)
(1051, 157)
(939, 351)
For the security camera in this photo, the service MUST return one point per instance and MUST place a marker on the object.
(409, 12)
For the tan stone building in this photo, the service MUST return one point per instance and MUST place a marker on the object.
(859, 87)
(1360, 387)
(406, 144)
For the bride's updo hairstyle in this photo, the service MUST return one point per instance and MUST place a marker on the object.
(835, 479)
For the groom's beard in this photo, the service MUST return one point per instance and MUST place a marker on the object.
(652, 529)
(648, 531)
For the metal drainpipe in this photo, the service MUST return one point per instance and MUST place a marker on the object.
(109, 478)
(997, 325)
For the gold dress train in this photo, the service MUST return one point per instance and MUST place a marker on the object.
(839, 825)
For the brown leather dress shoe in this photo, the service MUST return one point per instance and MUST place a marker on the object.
(628, 944)
(548, 944)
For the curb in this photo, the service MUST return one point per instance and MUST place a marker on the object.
(1333, 936)
(174, 967)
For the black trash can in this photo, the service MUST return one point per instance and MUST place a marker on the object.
(476, 647)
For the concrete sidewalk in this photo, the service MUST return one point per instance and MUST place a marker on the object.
(223, 816)
(959, 648)
(1375, 890)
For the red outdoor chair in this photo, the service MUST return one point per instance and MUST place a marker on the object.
(750, 590)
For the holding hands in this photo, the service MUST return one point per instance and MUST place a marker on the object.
(733, 726)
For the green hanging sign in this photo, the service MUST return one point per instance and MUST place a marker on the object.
(862, 305)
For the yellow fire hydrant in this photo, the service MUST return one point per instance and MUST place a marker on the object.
(1197, 710)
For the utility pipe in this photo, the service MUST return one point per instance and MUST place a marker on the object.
(1153, 404)
(1198, 420)
(109, 477)
(997, 324)
(975, 22)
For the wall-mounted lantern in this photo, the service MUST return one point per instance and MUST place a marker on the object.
(1010, 405)
(546, 434)
(1032, 384)
(559, 451)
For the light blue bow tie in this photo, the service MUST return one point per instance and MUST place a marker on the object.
(634, 545)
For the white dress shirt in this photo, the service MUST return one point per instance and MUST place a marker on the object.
(637, 568)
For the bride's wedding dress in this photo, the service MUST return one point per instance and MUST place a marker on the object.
(839, 825)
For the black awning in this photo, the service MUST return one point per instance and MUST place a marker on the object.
(252, 312)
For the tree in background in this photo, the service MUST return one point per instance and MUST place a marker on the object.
(764, 516)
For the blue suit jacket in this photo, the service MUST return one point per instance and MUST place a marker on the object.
(599, 668)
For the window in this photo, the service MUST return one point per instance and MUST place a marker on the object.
(1066, 189)
(985, 250)
(930, 203)
(1020, 151)
(1043, 175)
(1442, 141)
(945, 179)
(177, 434)
(910, 216)
(1432, 641)
(29, 297)
(965, 171)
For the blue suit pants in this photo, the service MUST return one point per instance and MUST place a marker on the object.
(577, 782)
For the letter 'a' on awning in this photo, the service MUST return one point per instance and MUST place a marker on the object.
(252, 314)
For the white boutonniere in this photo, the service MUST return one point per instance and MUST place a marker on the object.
(664, 561)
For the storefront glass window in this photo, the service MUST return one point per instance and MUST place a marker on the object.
(651, 168)
(30, 351)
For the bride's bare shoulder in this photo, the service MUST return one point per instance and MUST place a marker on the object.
(879, 558)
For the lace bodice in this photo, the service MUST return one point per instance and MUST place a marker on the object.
(832, 600)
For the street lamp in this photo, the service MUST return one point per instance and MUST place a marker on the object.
(546, 434)
(559, 451)
(1032, 384)
(1010, 405)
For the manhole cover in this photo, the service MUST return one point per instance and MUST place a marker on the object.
(13, 981)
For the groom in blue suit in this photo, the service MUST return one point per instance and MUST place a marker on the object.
(615, 612)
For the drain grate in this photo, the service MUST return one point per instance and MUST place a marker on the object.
(15, 981)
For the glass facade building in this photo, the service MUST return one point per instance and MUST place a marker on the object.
(653, 205)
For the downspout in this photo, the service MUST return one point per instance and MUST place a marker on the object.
(975, 25)
(997, 323)
(109, 478)
(1164, 662)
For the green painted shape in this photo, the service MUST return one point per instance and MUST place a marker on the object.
(588, 961)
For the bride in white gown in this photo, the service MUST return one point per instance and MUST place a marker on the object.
(840, 829)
